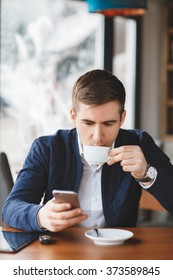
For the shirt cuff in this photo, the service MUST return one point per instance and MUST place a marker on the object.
(38, 222)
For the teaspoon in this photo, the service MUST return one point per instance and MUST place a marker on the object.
(97, 232)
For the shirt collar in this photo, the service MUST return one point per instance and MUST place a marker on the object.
(80, 146)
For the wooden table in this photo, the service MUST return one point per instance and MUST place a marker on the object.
(71, 244)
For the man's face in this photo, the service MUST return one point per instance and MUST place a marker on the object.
(98, 125)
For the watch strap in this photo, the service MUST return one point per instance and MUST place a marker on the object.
(146, 178)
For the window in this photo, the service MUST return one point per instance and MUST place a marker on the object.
(124, 62)
(45, 46)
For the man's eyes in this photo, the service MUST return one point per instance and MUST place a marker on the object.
(109, 123)
(105, 124)
(88, 123)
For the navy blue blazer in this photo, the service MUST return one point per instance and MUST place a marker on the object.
(53, 162)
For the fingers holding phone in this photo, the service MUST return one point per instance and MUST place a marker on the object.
(60, 212)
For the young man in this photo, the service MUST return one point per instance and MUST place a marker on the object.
(109, 194)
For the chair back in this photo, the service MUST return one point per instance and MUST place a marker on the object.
(152, 213)
(6, 179)
(148, 202)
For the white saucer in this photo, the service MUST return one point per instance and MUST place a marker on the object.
(109, 236)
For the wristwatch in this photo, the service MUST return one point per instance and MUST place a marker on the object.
(149, 175)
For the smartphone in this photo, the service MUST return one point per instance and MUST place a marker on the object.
(66, 196)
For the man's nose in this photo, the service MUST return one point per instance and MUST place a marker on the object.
(98, 135)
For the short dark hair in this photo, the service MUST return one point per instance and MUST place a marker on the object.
(97, 87)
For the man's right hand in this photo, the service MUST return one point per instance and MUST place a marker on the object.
(55, 216)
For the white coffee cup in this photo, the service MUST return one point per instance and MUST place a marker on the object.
(96, 154)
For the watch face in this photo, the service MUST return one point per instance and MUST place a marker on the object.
(151, 172)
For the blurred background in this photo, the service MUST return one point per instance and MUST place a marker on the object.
(47, 44)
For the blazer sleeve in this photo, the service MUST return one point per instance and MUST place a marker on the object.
(23, 203)
(162, 189)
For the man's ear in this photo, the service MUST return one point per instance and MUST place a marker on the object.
(123, 116)
(72, 115)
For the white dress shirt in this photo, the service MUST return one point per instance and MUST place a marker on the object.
(90, 197)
